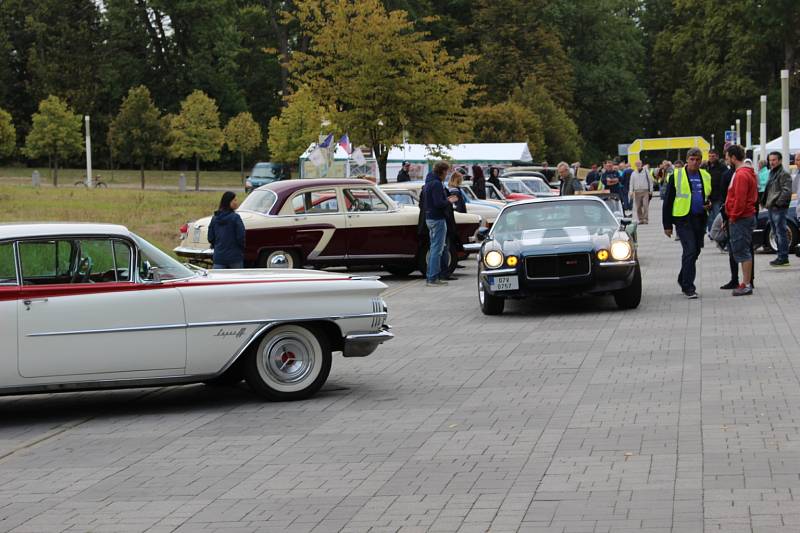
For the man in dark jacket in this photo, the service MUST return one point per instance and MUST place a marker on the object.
(610, 180)
(569, 183)
(436, 204)
(717, 169)
(685, 207)
(776, 198)
(403, 175)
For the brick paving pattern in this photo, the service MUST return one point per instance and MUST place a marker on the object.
(559, 416)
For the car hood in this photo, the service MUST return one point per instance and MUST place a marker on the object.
(561, 240)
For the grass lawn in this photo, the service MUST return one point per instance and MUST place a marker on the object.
(123, 178)
(155, 215)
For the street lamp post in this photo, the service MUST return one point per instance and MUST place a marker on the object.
(785, 118)
(762, 131)
(88, 154)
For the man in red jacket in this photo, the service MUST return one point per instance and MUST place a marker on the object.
(740, 206)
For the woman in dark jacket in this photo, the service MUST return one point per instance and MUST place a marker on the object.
(454, 188)
(494, 179)
(478, 182)
(226, 234)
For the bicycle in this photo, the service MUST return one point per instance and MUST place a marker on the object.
(97, 183)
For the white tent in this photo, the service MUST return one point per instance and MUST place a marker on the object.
(777, 144)
(421, 155)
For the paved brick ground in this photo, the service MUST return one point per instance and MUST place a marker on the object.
(555, 417)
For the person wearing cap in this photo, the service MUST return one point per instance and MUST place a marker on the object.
(403, 175)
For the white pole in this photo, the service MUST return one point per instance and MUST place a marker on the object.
(712, 142)
(785, 118)
(738, 131)
(88, 154)
(763, 128)
(748, 135)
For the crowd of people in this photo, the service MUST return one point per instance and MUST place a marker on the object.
(721, 199)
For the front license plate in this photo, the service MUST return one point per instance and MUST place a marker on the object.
(196, 235)
(504, 283)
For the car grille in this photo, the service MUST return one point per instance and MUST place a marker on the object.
(558, 266)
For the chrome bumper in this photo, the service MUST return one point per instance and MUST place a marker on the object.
(473, 247)
(363, 344)
(193, 252)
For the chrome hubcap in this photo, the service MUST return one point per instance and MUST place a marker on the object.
(288, 359)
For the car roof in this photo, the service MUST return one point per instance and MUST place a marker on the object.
(19, 230)
(551, 199)
(290, 186)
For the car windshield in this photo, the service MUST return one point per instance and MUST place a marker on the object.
(262, 171)
(259, 201)
(516, 187)
(515, 221)
(536, 185)
(153, 262)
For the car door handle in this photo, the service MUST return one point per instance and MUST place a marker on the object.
(298, 219)
(27, 303)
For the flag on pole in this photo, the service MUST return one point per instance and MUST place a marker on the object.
(327, 142)
(358, 157)
(344, 142)
(316, 157)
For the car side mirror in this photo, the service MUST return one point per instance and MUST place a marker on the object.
(481, 235)
(154, 274)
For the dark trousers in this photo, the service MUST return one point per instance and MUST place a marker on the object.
(691, 230)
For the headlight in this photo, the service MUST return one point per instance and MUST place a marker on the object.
(621, 250)
(512, 261)
(248, 183)
(493, 259)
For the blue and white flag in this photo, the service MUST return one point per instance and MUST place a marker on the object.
(327, 142)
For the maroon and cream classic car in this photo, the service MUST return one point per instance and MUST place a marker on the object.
(326, 222)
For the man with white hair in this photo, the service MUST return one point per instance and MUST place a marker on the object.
(641, 192)
(569, 183)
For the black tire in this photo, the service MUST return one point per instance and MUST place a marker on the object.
(399, 269)
(100, 185)
(80, 184)
(630, 296)
(422, 260)
(791, 229)
(490, 304)
(305, 347)
(292, 256)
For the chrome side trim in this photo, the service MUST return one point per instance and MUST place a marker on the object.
(205, 324)
(381, 256)
(108, 330)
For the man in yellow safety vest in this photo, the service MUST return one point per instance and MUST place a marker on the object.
(686, 208)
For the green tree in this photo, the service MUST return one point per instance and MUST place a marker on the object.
(56, 132)
(381, 76)
(242, 135)
(561, 137)
(296, 127)
(516, 40)
(195, 131)
(8, 135)
(137, 135)
(508, 122)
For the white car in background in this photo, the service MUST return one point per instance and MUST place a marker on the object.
(487, 211)
(94, 306)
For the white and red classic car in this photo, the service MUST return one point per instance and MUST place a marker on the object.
(90, 306)
(327, 222)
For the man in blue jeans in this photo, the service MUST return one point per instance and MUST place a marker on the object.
(776, 198)
(436, 202)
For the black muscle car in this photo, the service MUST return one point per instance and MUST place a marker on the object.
(560, 246)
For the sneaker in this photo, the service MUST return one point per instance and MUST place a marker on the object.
(779, 263)
(730, 285)
(435, 283)
(692, 295)
(743, 290)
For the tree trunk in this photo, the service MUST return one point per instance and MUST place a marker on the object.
(55, 171)
(282, 35)
(141, 170)
(50, 167)
(196, 172)
(241, 166)
(381, 153)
